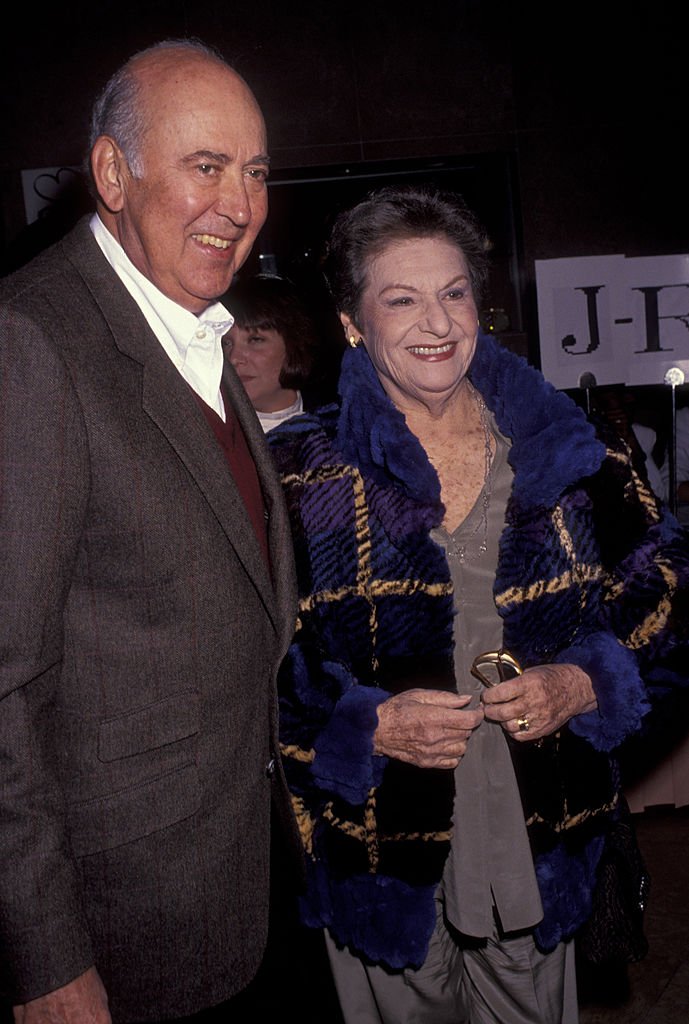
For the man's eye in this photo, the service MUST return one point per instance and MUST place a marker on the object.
(207, 169)
(258, 173)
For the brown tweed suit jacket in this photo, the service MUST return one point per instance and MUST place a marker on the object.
(140, 634)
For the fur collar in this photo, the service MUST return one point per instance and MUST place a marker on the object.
(553, 444)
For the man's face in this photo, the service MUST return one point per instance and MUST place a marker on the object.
(189, 222)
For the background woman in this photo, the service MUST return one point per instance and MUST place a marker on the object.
(273, 346)
(453, 503)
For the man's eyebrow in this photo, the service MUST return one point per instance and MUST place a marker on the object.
(209, 156)
(222, 158)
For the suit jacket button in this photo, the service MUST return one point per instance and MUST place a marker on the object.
(270, 767)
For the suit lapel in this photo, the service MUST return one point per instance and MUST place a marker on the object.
(169, 402)
(279, 534)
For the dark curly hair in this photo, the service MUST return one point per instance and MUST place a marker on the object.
(392, 214)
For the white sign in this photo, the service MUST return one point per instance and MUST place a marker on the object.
(43, 186)
(623, 320)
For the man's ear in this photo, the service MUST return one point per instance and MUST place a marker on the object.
(110, 172)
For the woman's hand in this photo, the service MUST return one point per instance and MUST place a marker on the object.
(540, 701)
(427, 728)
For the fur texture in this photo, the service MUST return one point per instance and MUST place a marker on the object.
(376, 616)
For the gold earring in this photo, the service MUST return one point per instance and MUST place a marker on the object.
(354, 341)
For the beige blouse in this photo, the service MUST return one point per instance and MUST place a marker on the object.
(490, 868)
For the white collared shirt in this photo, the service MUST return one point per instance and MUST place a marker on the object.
(192, 342)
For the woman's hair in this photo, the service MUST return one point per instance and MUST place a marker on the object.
(394, 214)
(264, 303)
(118, 110)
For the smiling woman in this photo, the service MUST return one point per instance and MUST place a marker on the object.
(451, 513)
(419, 320)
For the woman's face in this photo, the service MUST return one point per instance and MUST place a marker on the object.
(418, 320)
(258, 355)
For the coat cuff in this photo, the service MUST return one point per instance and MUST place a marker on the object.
(344, 762)
(619, 689)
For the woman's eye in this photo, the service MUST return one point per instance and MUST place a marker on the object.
(403, 300)
(456, 293)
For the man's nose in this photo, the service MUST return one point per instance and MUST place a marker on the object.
(233, 200)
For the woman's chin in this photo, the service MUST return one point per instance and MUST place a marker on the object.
(276, 403)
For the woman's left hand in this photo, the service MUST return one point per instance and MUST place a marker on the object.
(540, 701)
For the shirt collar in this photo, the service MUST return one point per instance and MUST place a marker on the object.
(192, 342)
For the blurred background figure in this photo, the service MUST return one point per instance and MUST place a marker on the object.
(618, 405)
(274, 346)
(681, 466)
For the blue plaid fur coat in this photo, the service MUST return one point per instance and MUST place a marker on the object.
(591, 572)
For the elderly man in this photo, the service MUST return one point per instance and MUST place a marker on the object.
(147, 582)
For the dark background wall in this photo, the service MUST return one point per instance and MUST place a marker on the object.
(578, 111)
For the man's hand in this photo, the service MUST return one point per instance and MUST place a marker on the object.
(427, 728)
(82, 1001)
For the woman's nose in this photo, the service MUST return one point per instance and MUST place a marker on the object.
(436, 319)
(235, 353)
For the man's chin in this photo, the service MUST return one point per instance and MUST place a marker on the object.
(201, 296)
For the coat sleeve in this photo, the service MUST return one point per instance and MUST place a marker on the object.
(641, 650)
(44, 483)
(327, 725)
(327, 719)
